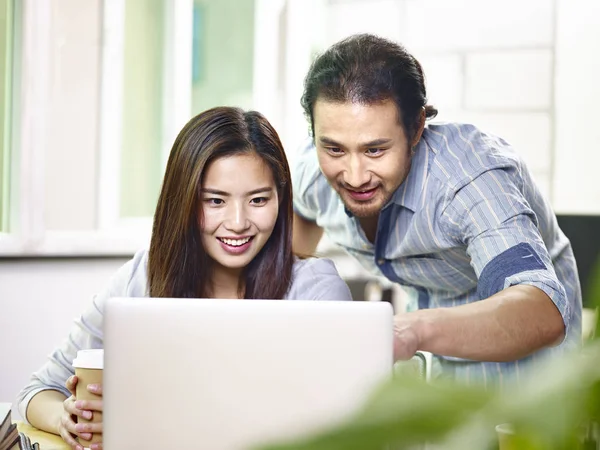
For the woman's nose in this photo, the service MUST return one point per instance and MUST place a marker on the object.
(237, 218)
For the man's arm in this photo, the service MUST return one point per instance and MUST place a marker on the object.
(523, 306)
(507, 326)
(306, 237)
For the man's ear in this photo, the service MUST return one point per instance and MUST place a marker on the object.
(419, 130)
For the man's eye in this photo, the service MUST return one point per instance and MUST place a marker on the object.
(335, 150)
(374, 151)
(259, 200)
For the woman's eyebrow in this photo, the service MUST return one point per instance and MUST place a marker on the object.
(227, 194)
(260, 190)
(215, 192)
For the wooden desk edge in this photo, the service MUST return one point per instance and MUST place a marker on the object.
(47, 441)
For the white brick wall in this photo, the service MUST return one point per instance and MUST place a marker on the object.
(444, 75)
(441, 25)
(576, 178)
(381, 17)
(508, 80)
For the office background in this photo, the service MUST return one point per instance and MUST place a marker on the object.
(92, 94)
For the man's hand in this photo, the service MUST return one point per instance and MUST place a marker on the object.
(507, 326)
(406, 338)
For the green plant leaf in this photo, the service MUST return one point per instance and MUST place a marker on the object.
(548, 409)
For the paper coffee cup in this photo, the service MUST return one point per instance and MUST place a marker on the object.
(88, 367)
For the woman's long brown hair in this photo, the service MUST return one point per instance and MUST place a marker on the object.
(178, 265)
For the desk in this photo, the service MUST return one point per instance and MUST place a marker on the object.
(47, 441)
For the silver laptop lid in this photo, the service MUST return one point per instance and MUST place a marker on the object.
(229, 374)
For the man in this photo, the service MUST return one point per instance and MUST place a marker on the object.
(447, 211)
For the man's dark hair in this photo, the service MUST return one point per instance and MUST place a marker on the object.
(368, 69)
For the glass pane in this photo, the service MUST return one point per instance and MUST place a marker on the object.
(222, 65)
(223, 46)
(6, 33)
(141, 169)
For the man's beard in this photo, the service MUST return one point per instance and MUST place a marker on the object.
(366, 209)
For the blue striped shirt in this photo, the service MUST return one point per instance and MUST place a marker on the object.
(467, 222)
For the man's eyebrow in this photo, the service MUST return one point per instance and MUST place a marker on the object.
(374, 143)
(377, 142)
(328, 141)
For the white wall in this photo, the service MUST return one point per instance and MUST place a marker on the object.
(39, 298)
(577, 159)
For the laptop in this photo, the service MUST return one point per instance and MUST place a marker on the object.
(236, 374)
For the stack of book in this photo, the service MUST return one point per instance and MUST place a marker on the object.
(10, 438)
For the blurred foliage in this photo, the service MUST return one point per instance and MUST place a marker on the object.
(555, 406)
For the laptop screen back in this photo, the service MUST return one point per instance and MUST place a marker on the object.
(231, 374)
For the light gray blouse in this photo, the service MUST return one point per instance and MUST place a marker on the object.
(312, 279)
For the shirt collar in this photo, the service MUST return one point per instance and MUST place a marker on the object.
(410, 191)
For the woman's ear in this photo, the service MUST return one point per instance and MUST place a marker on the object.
(419, 130)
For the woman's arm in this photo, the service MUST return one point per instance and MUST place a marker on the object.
(50, 382)
(45, 410)
(51, 411)
(51, 379)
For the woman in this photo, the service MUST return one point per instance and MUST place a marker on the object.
(222, 229)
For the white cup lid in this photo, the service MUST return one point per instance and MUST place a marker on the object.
(89, 359)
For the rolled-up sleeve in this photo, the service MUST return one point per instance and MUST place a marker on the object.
(492, 217)
(86, 333)
(318, 279)
(304, 175)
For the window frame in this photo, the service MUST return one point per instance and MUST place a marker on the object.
(8, 122)
(112, 236)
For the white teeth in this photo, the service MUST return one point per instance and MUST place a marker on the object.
(235, 242)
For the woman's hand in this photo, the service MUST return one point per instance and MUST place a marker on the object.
(68, 427)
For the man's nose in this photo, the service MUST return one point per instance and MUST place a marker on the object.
(356, 174)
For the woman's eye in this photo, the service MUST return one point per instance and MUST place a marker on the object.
(214, 201)
(259, 200)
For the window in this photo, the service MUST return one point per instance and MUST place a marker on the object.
(223, 54)
(143, 85)
(103, 89)
(219, 58)
(6, 45)
(221, 74)
(145, 100)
